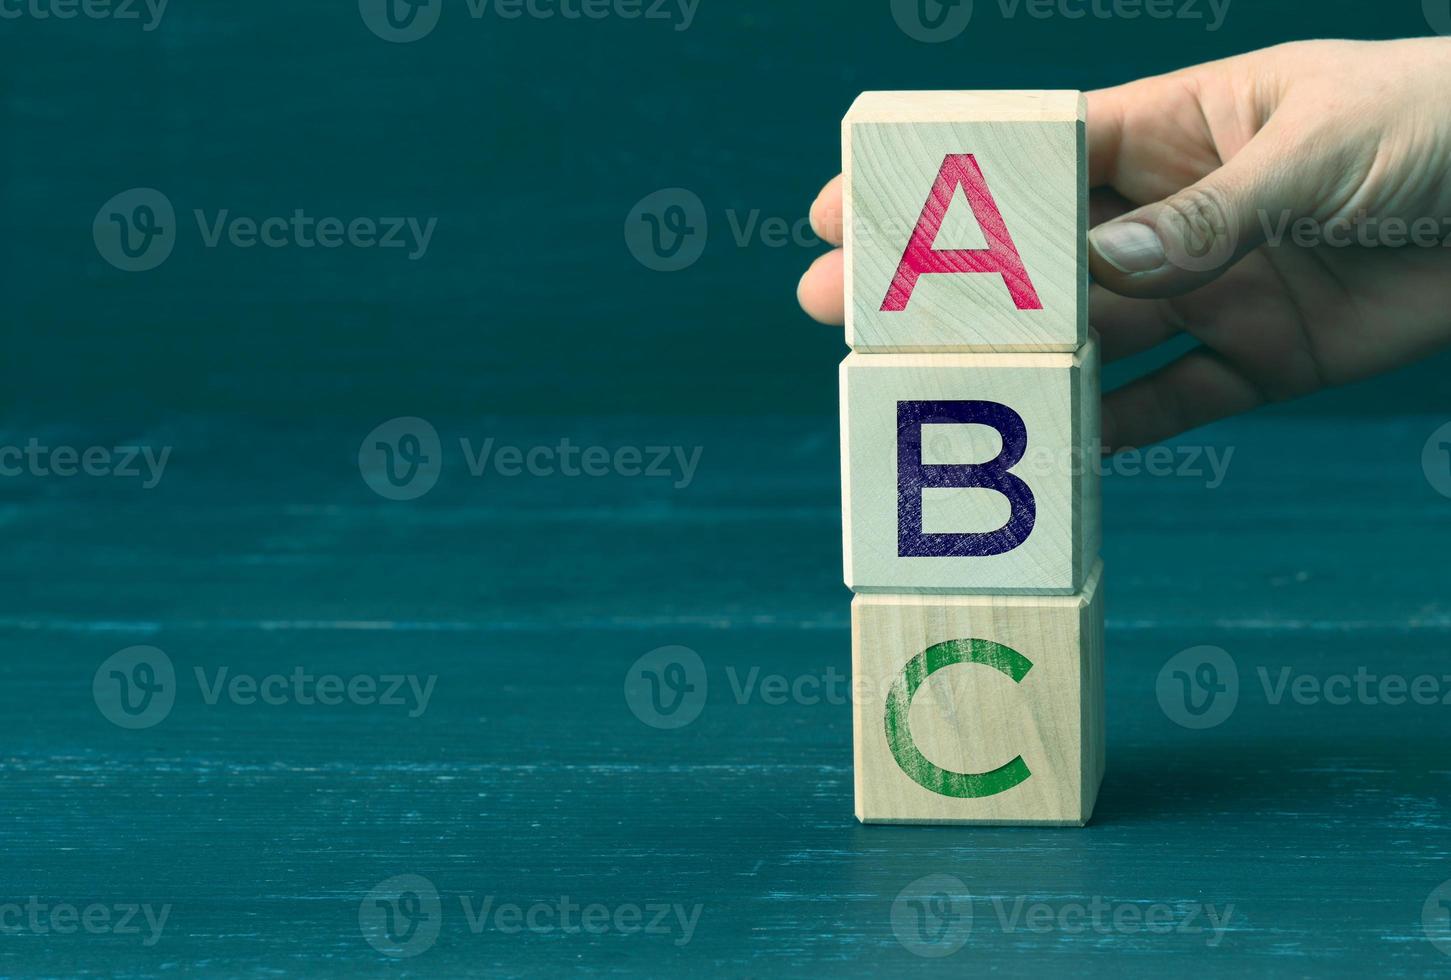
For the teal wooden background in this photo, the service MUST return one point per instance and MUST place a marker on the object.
(529, 141)
(528, 777)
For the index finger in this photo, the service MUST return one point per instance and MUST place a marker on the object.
(826, 212)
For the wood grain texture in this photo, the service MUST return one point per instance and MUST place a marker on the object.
(1056, 398)
(977, 709)
(1030, 150)
(1324, 826)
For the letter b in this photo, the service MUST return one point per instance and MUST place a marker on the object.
(914, 477)
(973, 461)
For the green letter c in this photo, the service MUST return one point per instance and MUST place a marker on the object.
(962, 785)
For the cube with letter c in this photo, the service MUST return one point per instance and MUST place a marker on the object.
(978, 709)
(965, 216)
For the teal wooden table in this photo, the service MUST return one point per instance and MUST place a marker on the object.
(548, 818)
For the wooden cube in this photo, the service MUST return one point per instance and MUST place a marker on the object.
(971, 473)
(966, 221)
(978, 709)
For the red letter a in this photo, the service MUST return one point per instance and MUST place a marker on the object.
(1000, 256)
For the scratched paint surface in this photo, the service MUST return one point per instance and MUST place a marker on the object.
(529, 778)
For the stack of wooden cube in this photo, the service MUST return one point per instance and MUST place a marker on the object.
(970, 437)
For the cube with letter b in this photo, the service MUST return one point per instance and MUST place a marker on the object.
(970, 473)
(966, 220)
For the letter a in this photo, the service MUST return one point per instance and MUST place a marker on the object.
(1001, 255)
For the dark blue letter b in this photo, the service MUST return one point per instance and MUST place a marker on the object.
(914, 476)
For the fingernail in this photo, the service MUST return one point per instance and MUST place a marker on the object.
(1129, 246)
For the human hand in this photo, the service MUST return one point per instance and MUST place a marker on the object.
(1289, 208)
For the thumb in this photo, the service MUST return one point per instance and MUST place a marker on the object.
(1191, 237)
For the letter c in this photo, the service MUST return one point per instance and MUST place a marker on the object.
(945, 782)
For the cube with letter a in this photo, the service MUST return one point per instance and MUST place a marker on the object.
(970, 473)
(966, 219)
